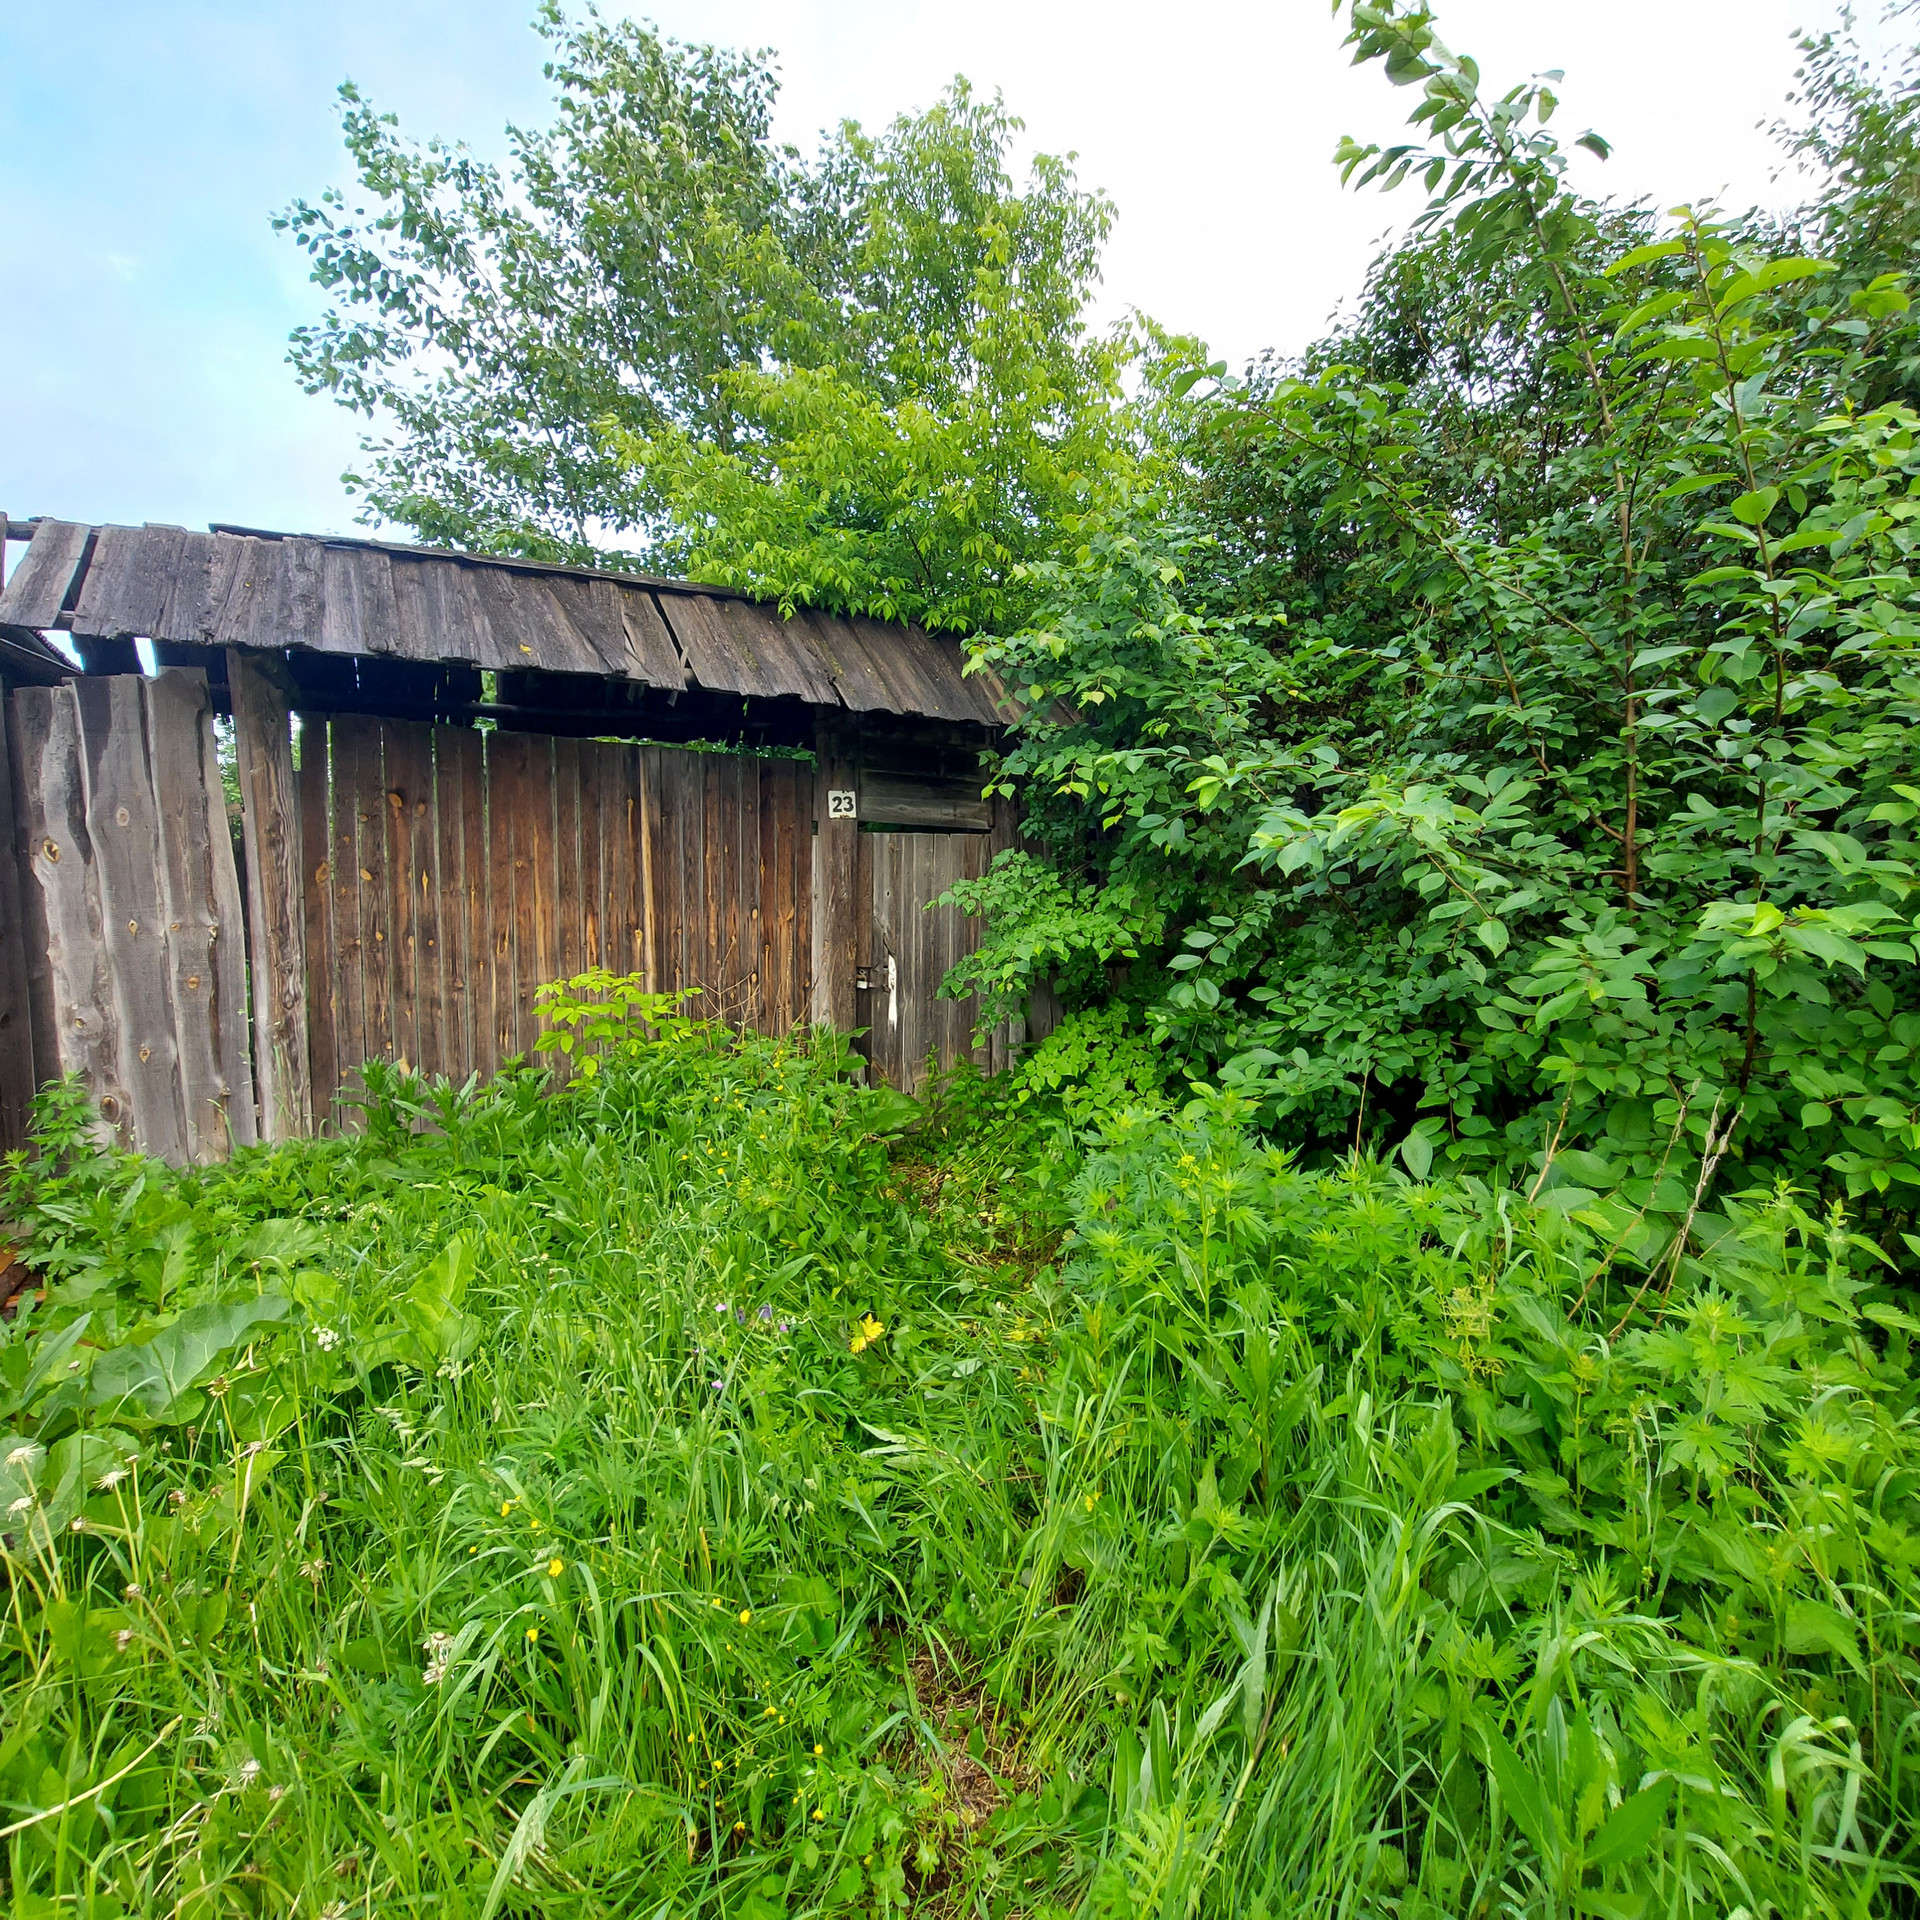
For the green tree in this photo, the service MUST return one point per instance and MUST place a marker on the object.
(1516, 738)
(865, 380)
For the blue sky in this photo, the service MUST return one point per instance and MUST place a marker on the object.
(147, 303)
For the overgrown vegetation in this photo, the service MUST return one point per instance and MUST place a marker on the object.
(1404, 1405)
(684, 1493)
(1496, 744)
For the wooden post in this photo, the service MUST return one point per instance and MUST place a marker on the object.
(17, 1076)
(836, 908)
(271, 836)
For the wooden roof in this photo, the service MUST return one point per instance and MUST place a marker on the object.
(235, 587)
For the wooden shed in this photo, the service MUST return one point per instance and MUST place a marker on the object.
(459, 778)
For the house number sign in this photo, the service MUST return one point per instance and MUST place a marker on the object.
(840, 805)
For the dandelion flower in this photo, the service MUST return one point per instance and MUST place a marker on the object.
(555, 1568)
(859, 1346)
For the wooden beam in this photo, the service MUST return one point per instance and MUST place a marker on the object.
(271, 837)
(937, 803)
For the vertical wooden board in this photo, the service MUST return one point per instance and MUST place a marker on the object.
(569, 897)
(504, 760)
(833, 916)
(795, 818)
(33, 902)
(204, 929)
(687, 786)
(357, 830)
(263, 752)
(802, 869)
(64, 896)
(748, 892)
(17, 1077)
(423, 886)
(123, 824)
(712, 909)
(544, 864)
(634, 851)
(518, 801)
(408, 763)
(399, 788)
(664, 852)
(231, 1037)
(374, 836)
(722, 886)
(769, 958)
(450, 802)
(477, 896)
(316, 885)
(355, 745)
(594, 756)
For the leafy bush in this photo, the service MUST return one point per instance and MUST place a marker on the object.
(1498, 739)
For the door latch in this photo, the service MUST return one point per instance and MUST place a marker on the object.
(866, 979)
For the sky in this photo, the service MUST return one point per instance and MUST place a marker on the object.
(146, 147)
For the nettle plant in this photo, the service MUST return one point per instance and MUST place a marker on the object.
(1565, 828)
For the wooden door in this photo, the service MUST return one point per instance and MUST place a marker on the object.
(913, 944)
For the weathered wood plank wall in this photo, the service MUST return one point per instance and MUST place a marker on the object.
(132, 898)
(448, 873)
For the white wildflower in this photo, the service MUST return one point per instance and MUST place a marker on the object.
(438, 1647)
(110, 1479)
(22, 1456)
(326, 1338)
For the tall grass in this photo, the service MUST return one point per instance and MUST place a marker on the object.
(680, 1493)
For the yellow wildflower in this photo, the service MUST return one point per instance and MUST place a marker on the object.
(533, 1634)
(819, 1813)
(870, 1328)
(555, 1568)
(746, 1616)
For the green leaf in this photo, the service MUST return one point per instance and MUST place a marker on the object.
(1814, 1627)
(1417, 1151)
(1645, 256)
(1630, 1828)
(1521, 1796)
(149, 1378)
(1750, 509)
